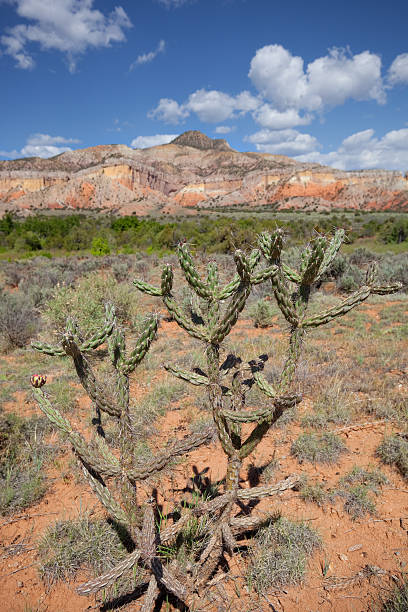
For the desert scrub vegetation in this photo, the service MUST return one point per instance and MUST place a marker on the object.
(358, 488)
(227, 380)
(19, 320)
(87, 299)
(318, 448)
(68, 546)
(279, 554)
(261, 314)
(23, 455)
(393, 450)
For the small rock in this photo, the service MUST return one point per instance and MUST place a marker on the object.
(343, 557)
(355, 547)
(20, 584)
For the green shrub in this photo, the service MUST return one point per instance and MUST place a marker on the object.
(100, 246)
(261, 314)
(87, 301)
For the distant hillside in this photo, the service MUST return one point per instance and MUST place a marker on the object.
(193, 172)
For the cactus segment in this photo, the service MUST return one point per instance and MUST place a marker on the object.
(212, 277)
(313, 260)
(386, 289)
(264, 275)
(142, 345)
(101, 336)
(191, 377)
(145, 469)
(284, 300)
(48, 349)
(89, 456)
(190, 272)
(178, 316)
(93, 586)
(271, 245)
(105, 497)
(243, 266)
(291, 274)
(254, 258)
(331, 251)
(228, 290)
(167, 280)
(349, 303)
(231, 315)
(147, 288)
(264, 386)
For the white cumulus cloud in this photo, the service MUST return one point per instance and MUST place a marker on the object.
(143, 142)
(211, 106)
(283, 142)
(398, 72)
(42, 145)
(146, 58)
(271, 118)
(362, 151)
(68, 26)
(224, 129)
(169, 111)
(281, 78)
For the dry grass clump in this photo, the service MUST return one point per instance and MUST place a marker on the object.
(393, 450)
(323, 448)
(23, 453)
(280, 553)
(357, 488)
(95, 545)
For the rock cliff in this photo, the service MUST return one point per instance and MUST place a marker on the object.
(191, 173)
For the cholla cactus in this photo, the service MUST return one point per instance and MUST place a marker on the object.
(227, 381)
(98, 462)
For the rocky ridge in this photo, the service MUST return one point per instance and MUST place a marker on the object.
(193, 172)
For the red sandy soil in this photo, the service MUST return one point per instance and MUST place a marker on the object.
(348, 546)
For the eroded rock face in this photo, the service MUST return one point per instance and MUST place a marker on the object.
(193, 172)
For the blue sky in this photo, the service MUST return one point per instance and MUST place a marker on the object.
(318, 81)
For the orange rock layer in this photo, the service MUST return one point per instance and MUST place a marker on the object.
(173, 177)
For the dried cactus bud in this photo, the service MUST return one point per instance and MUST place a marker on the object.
(38, 380)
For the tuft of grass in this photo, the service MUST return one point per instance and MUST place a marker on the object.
(357, 488)
(371, 479)
(69, 546)
(279, 554)
(357, 501)
(323, 448)
(332, 406)
(393, 450)
(23, 455)
(313, 492)
(396, 600)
